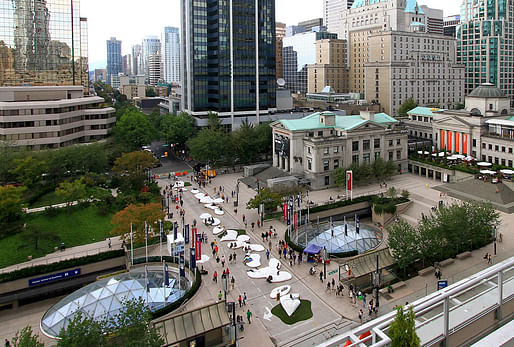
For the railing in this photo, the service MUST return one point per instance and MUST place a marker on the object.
(503, 287)
(54, 259)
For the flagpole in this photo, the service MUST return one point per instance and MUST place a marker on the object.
(146, 283)
(164, 282)
(160, 240)
(146, 241)
(131, 245)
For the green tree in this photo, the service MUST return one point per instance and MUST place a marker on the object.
(72, 191)
(11, 209)
(26, 338)
(403, 242)
(131, 169)
(379, 168)
(82, 331)
(132, 326)
(267, 197)
(28, 170)
(402, 330)
(391, 168)
(209, 145)
(133, 130)
(150, 92)
(136, 215)
(339, 175)
(177, 129)
(407, 105)
(459, 106)
(392, 193)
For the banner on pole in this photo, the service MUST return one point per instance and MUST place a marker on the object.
(357, 224)
(192, 258)
(175, 230)
(186, 234)
(198, 247)
(181, 264)
(166, 275)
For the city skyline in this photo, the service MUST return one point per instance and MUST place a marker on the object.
(169, 15)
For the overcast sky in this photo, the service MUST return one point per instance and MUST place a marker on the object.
(131, 20)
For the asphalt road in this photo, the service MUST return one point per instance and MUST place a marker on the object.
(169, 163)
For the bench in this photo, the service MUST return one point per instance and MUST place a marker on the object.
(464, 255)
(426, 271)
(395, 286)
(447, 262)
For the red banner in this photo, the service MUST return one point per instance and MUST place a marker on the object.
(442, 139)
(464, 143)
(198, 247)
(285, 211)
(193, 237)
(457, 142)
(449, 140)
(349, 180)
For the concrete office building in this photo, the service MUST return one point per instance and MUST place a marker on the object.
(114, 59)
(171, 55)
(52, 117)
(137, 60)
(311, 24)
(151, 45)
(314, 146)
(280, 33)
(43, 43)
(450, 25)
(154, 69)
(127, 65)
(298, 53)
(331, 68)
(332, 13)
(485, 45)
(100, 75)
(228, 61)
(435, 22)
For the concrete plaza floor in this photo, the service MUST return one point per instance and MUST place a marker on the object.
(332, 314)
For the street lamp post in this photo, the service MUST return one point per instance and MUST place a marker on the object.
(324, 262)
(236, 202)
(495, 236)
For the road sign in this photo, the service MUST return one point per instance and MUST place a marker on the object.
(54, 277)
(442, 284)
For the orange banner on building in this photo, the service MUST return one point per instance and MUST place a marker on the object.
(442, 139)
(457, 142)
(449, 140)
(464, 143)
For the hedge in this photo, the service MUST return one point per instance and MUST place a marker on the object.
(188, 295)
(330, 206)
(43, 269)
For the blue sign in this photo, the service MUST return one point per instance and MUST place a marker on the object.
(186, 234)
(192, 258)
(181, 264)
(442, 284)
(55, 277)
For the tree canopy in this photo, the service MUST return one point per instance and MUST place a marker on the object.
(72, 191)
(407, 105)
(177, 129)
(134, 129)
(136, 215)
(11, 208)
(267, 197)
(403, 330)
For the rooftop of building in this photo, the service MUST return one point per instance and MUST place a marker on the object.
(424, 111)
(411, 6)
(313, 121)
(487, 90)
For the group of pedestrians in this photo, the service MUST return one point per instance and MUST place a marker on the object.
(286, 252)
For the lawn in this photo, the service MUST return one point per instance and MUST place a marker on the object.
(52, 198)
(79, 227)
(303, 312)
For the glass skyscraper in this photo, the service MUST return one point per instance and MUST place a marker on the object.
(43, 42)
(228, 50)
(114, 59)
(485, 44)
(171, 54)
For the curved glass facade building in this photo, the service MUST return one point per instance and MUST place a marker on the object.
(43, 42)
(104, 298)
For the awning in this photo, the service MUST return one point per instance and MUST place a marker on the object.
(365, 264)
(187, 325)
(312, 249)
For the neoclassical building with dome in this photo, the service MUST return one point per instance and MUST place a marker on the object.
(484, 129)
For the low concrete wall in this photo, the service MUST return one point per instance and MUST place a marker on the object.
(340, 210)
(12, 286)
(385, 218)
(253, 170)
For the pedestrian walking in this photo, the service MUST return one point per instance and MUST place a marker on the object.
(215, 277)
(370, 309)
(244, 298)
(328, 287)
(220, 296)
(360, 315)
(234, 256)
(294, 258)
(216, 249)
(222, 261)
(109, 242)
(248, 316)
(253, 226)
(232, 283)
(258, 223)
(489, 259)
(230, 258)
(333, 283)
(244, 218)
(240, 300)
(321, 276)
(267, 254)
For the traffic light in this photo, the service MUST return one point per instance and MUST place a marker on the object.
(166, 154)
